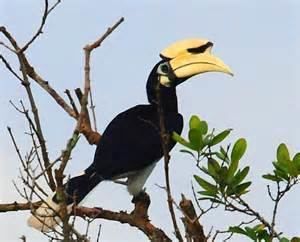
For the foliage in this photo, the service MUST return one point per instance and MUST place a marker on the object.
(223, 180)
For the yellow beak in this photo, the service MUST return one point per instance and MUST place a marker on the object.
(187, 65)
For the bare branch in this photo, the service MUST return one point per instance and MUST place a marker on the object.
(35, 76)
(193, 228)
(67, 91)
(39, 31)
(138, 218)
(49, 89)
(165, 138)
(8, 47)
(99, 232)
(46, 13)
(92, 107)
(15, 206)
(87, 51)
(25, 82)
(8, 67)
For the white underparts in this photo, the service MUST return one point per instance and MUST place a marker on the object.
(137, 180)
(165, 81)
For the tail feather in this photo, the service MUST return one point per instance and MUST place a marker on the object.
(45, 218)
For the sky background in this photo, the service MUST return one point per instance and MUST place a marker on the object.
(259, 40)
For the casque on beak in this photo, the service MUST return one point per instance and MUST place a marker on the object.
(192, 57)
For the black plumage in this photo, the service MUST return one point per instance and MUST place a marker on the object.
(132, 140)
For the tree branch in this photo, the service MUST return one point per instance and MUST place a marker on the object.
(137, 218)
(83, 124)
(165, 139)
(193, 228)
(46, 13)
(16, 206)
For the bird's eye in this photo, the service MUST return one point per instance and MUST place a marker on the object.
(164, 68)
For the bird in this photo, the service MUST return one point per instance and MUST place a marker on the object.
(131, 144)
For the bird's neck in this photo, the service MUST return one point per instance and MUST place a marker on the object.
(167, 95)
(168, 99)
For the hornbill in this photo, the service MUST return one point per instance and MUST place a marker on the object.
(131, 144)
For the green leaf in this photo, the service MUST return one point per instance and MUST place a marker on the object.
(220, 137)
(220, 156)
(203, 127)
(296, 160)
(282, 174)
(206, 185)
(188, 152)
(284, 240)
(238, 149)
(204, 169)
(223, 172)
(231, 170)
(263, 235)
(240, 176)
(272, 177)
(259, 227)
(207, 139)
(292, 169)
(213, 200)
(195, 138)
(295, 239)
(251, 233)
(283, 153)
(241, 189)
(181, 140)
(213, 168)
(208, 193)
(195, 122)
(280, 166)
(224, 153)
(237, 230)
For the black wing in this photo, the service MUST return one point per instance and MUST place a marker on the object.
(132, 141)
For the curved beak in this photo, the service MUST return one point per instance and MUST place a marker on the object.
(187, 65)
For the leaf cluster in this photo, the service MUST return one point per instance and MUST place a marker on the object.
(225, 177)
(286, 168)
(222, 180)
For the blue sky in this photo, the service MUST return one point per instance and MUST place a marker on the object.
(258, 39)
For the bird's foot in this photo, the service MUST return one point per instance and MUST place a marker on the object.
(141, 197)
(141, 204)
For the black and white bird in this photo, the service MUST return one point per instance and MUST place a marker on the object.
(131, 144)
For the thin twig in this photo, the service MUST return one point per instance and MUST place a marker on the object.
(92, 107)
(39, 31)
(7, 47)
(231, 233)
(53, 6)
(99, 232)
(165, 138)
(36, 77)
(87, 79)
(67, 91)
(25, 82)
(8, 67)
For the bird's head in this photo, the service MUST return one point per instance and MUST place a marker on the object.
(186, 58)
(182, 60)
